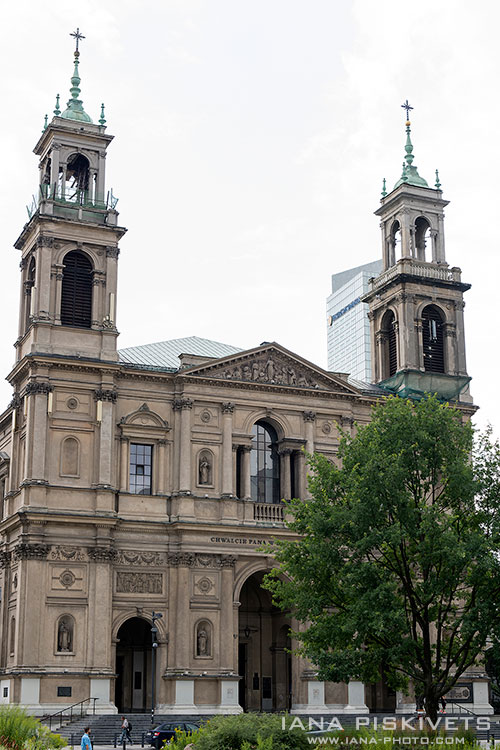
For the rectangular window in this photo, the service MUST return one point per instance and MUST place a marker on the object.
(63, 692)
(141, 464)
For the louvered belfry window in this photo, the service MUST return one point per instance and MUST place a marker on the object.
(433, 339)
(76, 300)
(392, 345)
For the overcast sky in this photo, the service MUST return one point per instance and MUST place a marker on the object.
(251, 139)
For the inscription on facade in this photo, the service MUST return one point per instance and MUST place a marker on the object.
(243, 540)
(139, 583)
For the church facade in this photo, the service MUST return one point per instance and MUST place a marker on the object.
(152, 480)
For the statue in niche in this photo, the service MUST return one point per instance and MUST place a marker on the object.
(65, 636)
(202, 642)
(204, 470)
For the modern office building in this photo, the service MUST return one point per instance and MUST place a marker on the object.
(348, 327)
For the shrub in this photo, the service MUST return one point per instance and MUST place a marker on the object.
(20, 731)
(244, 732)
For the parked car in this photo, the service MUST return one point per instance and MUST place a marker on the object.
(157, 736)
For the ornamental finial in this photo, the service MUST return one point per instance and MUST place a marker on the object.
(74, 110)
(384, 191)
(57, 111)
(408, 108)
(76, 34)
(438, 184)
(102, 119)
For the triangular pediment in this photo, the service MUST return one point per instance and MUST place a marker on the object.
(271, 364)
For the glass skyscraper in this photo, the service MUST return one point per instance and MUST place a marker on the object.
(348, 328)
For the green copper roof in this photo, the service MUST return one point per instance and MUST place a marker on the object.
(75, 109)
(410, 174)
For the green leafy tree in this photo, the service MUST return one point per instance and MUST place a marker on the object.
(395, 564)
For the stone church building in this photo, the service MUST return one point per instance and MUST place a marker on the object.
(152, 479)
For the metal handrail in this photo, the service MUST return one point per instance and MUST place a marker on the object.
(61, 713)
(461, 708)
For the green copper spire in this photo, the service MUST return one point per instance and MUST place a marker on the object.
(410, 173)
(57, 111)
(75, 109)
(102, 119)
(384, 191)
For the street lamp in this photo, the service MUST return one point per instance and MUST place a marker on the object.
(154, 642)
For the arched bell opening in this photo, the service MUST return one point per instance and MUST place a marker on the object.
(264, 662)
(29, 289)
(395, 243)
(76, 182)
(133, 666)
(433, 339)
(422, 236)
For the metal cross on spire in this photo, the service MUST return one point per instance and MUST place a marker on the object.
(76, 34)
(407, 107)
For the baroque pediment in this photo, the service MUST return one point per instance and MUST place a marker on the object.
(271, 365)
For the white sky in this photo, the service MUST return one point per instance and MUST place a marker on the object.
(252, 137)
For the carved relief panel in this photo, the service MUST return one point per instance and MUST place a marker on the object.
(142, 582)
(68, 579)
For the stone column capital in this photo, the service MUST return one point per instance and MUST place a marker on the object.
(309, 416)
(227, 407)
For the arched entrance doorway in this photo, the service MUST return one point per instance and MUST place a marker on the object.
(264, 664)
(133, 666)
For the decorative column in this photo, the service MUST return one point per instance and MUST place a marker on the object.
(235, 469)
(100, 177)
(434, 245)
(405, 234)
(184, 405)
(57, 275)
(37, 394)
(285, 474)
(300, 463)
(461, 367)
(440, 254)
(309, 419)
(161, 447)
(246, 490)
(54, 169)
(124, 464)
(227, 631)
(227, 449)
(100, 648)
(105, 401)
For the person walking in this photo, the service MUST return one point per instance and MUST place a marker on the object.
(86, 743)
(125, 735)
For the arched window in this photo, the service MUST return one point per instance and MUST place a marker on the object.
(390, 344)
(433, 339)
(422, 230)
(76, 300)
(264, 464)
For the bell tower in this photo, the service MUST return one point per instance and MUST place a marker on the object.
(416, 303)
(70, 244)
